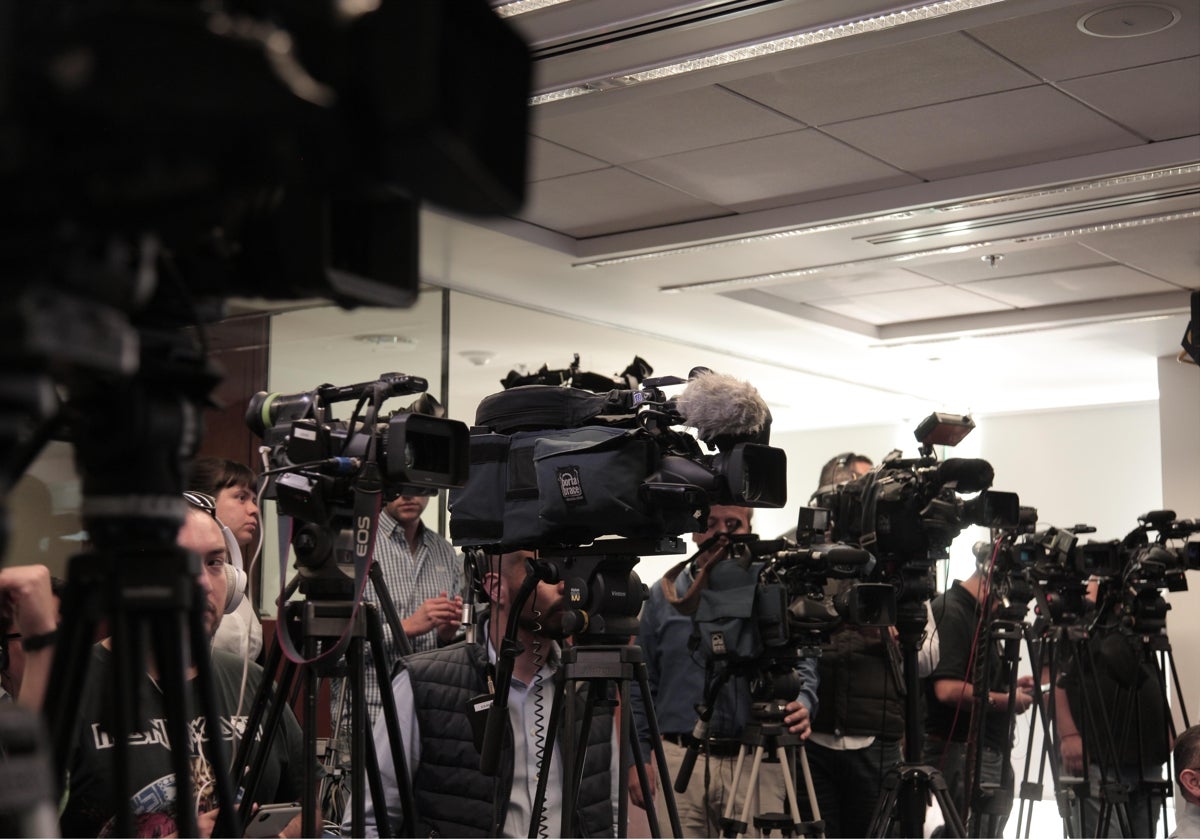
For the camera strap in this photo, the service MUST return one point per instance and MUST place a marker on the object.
(690, 601)
(368, 497)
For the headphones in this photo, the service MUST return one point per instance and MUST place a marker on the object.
(235, 576)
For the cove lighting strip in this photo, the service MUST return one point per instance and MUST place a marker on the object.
(1146, 176)
(929, 11)
(520, 7)
(1065, 233)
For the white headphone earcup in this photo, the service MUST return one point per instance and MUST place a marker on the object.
(235, 588)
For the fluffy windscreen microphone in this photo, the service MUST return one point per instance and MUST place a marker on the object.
(723, 409)
(970, 474)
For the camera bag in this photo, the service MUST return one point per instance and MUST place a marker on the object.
(539, 478)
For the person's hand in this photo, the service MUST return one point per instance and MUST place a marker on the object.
(635, 786)
(206, 821)
(1072, 754)
(27, 590)
(797, 719)
(1024, 693)
(433, 614)
(447, 629)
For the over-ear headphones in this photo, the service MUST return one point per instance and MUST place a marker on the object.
(235, 576)
(844, 458)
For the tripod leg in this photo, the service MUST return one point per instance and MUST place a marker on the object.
(660, 757)
(226, 824)
(392, 721)
(789, 784)
(727, 826)
(168, 654)
(751, 788)
(802, 751)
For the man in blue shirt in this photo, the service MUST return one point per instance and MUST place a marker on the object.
(677, 680)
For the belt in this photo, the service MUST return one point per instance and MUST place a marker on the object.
(716, 747)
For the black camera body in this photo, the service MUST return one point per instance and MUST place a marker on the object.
(555, 467)
(324, 468)
(907, 511)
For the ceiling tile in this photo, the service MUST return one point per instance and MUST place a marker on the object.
(986, 133)
(889, 79)
(550, 160)
(1013, 262)
(1082, 284)
(911, 305)
(1170, 250)
(616, 200)
(1159, 101)
(772, 171)
(1052, 46)
(850, 285)
(649, 128)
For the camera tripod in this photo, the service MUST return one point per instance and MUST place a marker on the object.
(770, 741)
(323, 621)
(1108, 791)
(594, 662)
(137, 577)
(907, 786)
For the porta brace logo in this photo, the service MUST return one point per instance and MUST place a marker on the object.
(569, 485)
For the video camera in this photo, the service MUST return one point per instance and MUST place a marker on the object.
(554, 467)
(907, 511)
(768, 603)
(321, 466)
(1137, 569)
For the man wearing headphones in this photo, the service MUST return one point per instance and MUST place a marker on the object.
(90, 809)
(442, 697)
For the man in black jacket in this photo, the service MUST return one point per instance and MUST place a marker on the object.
(856, 734)
(439, 692)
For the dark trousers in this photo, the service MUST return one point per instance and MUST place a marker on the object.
(951, 758)
(848, 783)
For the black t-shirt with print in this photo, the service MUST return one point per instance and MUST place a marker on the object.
(90, 811)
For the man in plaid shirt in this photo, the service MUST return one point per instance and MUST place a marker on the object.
(423, 577)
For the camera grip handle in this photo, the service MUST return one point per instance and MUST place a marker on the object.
(685, 769)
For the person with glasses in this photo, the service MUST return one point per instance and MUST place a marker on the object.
(1187, 775)
(677, 677)
(90, 809)
(232, 488)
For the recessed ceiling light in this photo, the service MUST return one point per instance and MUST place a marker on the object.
(400, 342)
(479, 358)
(1128, 20)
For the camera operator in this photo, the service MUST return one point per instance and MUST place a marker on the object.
(677, 681)
(91, 804)
(439, 696)
(1187, 775)
(962, 614)
(856, 735)
(1128, 715)
(29, 604)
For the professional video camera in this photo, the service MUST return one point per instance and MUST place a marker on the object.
(322, 467)
(907, 511)
(554, 469)
(557, 467)
(1139, 568)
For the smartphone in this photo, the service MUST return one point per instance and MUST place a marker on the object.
(271, 820)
